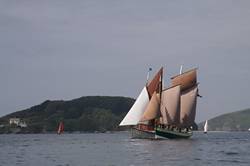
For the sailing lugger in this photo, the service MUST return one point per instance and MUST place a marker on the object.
(167, 113)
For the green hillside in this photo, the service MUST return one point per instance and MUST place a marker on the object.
(235, 121)
(91, 113)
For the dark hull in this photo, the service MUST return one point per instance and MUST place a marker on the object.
(172, 134)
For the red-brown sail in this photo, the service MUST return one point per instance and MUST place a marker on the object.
(155, 84)
(186, 80)
(60, 128)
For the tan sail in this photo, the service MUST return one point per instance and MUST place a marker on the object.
(153, 109)
(188, 107)
(170, 105)
(186, 80)
(154, 84)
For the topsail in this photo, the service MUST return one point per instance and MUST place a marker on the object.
(155, 84)
(186, 80)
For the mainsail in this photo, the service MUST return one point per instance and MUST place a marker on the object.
(135, 113)
(170, 105)
(186, 80)
(152, 110)
(188, 106)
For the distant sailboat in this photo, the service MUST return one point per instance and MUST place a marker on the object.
(205, 127)
(60, 128)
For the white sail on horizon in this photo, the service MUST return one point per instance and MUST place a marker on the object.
(205, 127)
(135, 113)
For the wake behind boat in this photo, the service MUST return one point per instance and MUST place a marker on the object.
(162, 112)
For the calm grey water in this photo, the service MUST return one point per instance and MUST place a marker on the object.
(215, 148)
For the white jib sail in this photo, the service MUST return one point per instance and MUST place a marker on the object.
(135, 113)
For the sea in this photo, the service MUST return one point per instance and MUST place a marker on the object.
(111, 149)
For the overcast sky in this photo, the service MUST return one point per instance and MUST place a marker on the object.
(60, 49)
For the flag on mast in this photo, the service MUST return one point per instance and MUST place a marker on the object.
(150, 69)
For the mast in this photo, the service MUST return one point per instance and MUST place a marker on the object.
(150, 69)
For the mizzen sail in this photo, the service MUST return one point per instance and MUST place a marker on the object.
(135, 113)
(188, 106)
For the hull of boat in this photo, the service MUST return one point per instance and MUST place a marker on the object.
(172, 134)
(142, 134)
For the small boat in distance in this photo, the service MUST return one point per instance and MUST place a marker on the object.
(60, 128)
(205, 127)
